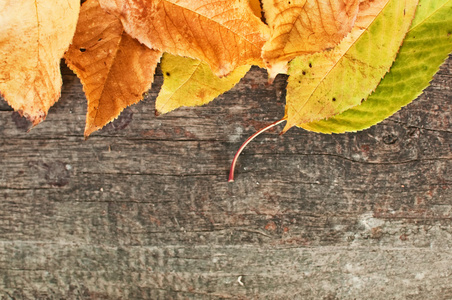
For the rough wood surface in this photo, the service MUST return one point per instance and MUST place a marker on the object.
(143, 210)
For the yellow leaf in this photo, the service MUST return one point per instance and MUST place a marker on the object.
(190, 82)
(33, 37)
(325, 84)
(114, 68)
(225, 34)
(304, 26)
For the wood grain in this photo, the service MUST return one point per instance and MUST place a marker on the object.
(143, 210)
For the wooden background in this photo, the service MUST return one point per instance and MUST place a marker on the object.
(143, 209)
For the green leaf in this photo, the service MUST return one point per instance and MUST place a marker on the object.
(327, 83)
(425, 48)
(190, 82)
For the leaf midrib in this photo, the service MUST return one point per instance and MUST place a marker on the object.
(429, 16)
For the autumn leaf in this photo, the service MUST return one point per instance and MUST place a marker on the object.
(225, 34)
(338, 53)
(190, 82)
(300, 27)
(114, 68)
(325, 84)
(426, 46)
(32, 42)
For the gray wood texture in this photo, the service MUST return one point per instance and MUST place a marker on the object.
(143, 209)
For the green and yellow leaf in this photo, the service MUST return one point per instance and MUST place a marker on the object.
(325, 84)
(426, 46)
(190, 82)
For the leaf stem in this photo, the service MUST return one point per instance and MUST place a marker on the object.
(236, 156)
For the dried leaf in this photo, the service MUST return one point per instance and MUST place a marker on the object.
(225, 34)
(114, 68)
(426, 46)
(33, 37)
(301, 27)
(328, 83)
(190, 82)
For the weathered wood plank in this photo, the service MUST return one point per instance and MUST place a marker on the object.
(142, 209)
(243, 272)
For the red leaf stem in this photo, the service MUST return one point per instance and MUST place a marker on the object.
(234, 161)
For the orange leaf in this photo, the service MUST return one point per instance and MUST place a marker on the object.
(33, 37)
(304, 26)
(114, 68)
(224, 33)
(256, 7)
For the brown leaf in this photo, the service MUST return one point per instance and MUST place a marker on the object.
(304, 26)
(225, 34)
(33, 38)
(114, 68)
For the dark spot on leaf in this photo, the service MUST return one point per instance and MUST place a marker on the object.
(99, 40)
(168, 74)
(299, 81)
(82, 49)
(362, 100)
(334, 99)
(304, 73)
(310, 65)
